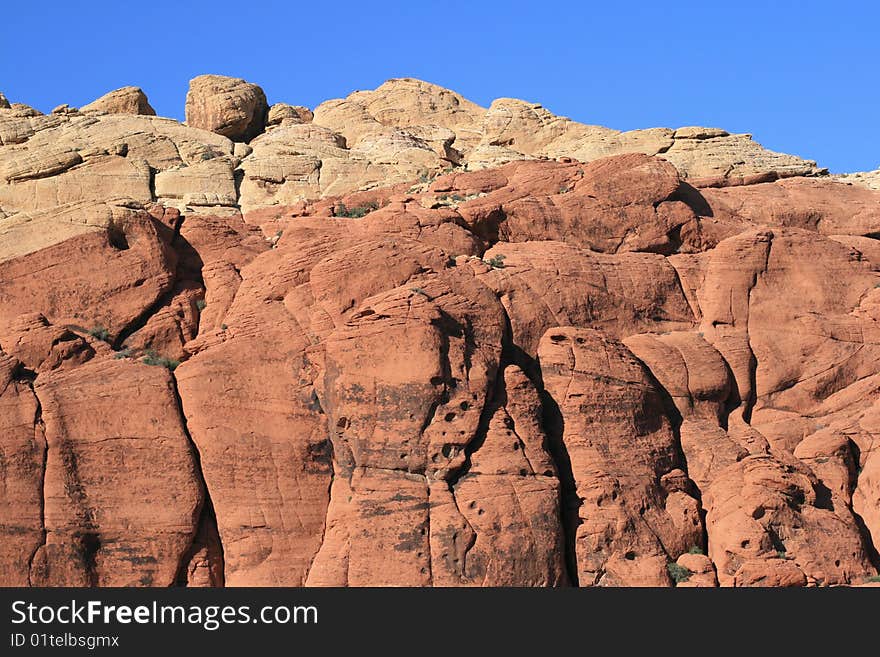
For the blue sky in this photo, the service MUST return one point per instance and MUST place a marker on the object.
(802, 77)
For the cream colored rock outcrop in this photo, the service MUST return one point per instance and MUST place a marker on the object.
(127, 100)
(228, 106)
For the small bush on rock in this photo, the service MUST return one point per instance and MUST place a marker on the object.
(100, 333)
(678, 573)
(356, 212)
(496, 262)
(152, 358)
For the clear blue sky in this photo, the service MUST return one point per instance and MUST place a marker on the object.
(803, 77)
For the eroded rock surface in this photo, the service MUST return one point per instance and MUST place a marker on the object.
(127, 100)
(407, 340)
(228, 106)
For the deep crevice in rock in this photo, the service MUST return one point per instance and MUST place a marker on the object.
(332, 459)
(749, 403)
(39, 429)
(570, 502)
(693, 198)
(675, 421)
(207, 513)
(188, 268)
(141, 320)
(869, 545)
(552, 424)
(88, 545)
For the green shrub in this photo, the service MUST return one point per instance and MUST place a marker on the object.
(453, 200)
(874, 578)
(356, 212)
(496, 262)
(678, 573)
(124, 353)
(419, 290)
(223, 327)
(201, 303)
(152, 358)
(100, 333)
(696, 549)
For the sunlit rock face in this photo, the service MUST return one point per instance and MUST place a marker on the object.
(402, 339)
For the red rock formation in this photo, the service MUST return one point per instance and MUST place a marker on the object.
(114, 416)
(634, 510)
(24, 457)
(544, 373)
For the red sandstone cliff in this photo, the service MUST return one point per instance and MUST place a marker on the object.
(406, 340)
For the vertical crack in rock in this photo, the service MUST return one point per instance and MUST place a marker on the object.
(693, 304)
(552, 424)
(40, 439)
(675, 422)
(748, 404)
(175, 237)
(85, 540)
(141, 320)
(451, 477)
(179, 246)
(237, 179)
(206, 516)
(428, 530)
(152, 177)
(332, 458)
(569, 501)
(473, 533)
(867, 539)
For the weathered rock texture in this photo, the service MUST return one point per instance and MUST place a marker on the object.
(407, 340)
(228, 106)
(869, 179)
(127, 100)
